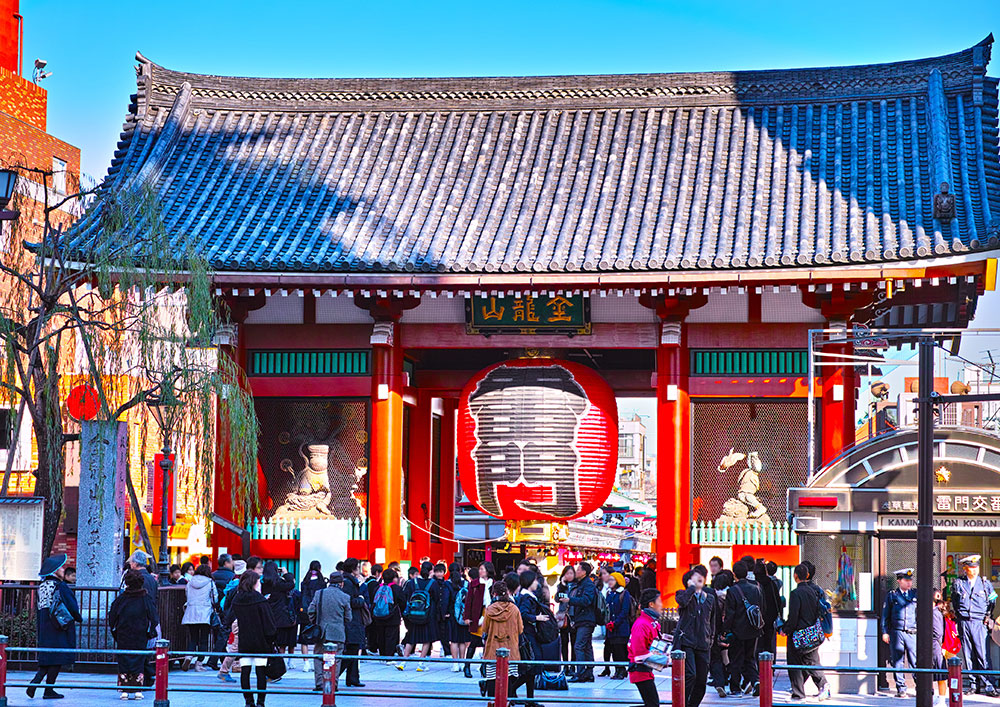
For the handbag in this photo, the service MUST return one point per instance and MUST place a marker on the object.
(546, 680)
(275, 667)
(59, 613)
(312, 634)
(805, 639)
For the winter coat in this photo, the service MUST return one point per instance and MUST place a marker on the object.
(257, 630)
(696, 619)
(583, 603)
(309, 586)
(48, 635)
(648, 579)
(736, 621)
(276, 591)
(619, 606)
(222, 577)
(527, 604)
(476, 601)
(354, 628)
(446, 599)
(771, 609)
(201, 600)
(645, 630)
(803, 608)
(331, 610)
(502, 627)
(132, 619)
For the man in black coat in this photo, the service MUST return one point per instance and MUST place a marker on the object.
(583, 615)
(743, 599)
(355, 627)
(803, 611)
(697, 608)
(771, 608)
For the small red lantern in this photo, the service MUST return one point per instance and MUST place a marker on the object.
(537, 440)
(83, 403)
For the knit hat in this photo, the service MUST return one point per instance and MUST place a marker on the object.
(619, 577)
(239, 567)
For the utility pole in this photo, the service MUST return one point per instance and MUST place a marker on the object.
(925, 519)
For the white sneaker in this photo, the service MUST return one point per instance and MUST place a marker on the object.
(125, 696)
(400, 666)
(306, 666)
(138, 695)
(422, 667)
(456, 668)
(824, 694)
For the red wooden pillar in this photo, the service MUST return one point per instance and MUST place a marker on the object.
(449, 485)
(673, 456)
(231, 341)
(418, 477)
(385, 469)
(837, 384)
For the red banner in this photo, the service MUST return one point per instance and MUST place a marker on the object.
(158, 491)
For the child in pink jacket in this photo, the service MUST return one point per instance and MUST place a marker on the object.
(645, 631)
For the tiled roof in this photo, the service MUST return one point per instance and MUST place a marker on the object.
(648, 172)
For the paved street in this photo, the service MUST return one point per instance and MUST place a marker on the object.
(385, 685)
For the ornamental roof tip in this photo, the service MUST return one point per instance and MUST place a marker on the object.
(556, 174)
(721, 87)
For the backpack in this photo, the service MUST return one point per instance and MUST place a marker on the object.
(825, 613)
(601, 610)
(459, 606)
(754, 617)
(418, 606)
(383, 602)
(546, 631)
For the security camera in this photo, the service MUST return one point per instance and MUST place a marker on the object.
(40, 63)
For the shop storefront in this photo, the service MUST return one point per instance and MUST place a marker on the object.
(857, 520)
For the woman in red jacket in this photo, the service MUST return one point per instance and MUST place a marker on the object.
(645, 631)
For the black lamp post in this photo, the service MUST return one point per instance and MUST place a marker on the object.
(162, 402)
(8, 180)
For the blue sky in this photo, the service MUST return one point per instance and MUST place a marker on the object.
(90, 46)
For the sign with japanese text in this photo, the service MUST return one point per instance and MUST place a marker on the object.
(965, 502)
(529, 314)
(952, 522)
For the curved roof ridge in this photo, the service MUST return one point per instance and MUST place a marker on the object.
(908, 77)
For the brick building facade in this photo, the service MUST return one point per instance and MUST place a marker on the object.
(25, 143)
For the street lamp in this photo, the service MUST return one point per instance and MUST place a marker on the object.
(8, 180)
(162, 401)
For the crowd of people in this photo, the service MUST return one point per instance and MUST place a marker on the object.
(725, 619)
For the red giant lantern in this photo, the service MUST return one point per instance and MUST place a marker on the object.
(537, 440)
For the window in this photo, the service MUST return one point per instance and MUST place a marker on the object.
(58, 175)
(625, 446)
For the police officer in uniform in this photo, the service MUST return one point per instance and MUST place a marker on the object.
(973, 599)
(899, 627)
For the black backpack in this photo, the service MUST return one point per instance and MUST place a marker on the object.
(546, 631)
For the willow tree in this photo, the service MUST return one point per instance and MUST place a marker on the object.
(122, 312)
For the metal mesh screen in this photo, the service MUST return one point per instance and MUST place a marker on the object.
(827, 553)
(900, 554)
(293, 435)
(772, 438)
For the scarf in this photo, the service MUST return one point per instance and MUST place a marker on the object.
(653, 614)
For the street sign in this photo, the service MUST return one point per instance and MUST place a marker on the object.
(528, 314)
